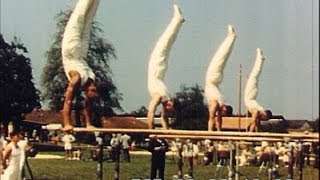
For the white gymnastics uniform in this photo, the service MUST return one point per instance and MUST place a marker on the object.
(214, 73)
(251, 90)
(76, 37)
(12, 172)
(158, 59)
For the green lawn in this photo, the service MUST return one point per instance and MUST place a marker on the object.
(55, 169)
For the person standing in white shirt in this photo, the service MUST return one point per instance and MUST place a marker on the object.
(125, 141)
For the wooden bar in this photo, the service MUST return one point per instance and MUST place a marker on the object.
(231, 138)
(222, 138)
(240, 123)
(296, 136)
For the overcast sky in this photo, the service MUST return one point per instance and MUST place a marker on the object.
(286, 30)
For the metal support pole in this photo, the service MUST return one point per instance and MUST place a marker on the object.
(190, 159)
(239, 100)
(290, 168)
(300, 161)
(28, 168)
(179, 145)
(117, 164)
(230, 173)
(269, 173)
(269, 166)
(237, 162)
(100, 158)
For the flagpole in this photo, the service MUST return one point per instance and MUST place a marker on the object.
(239, 100)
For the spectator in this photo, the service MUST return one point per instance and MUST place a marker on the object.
(25, 145)
(77, 154)
(315, 151)
(286, 159)
(188, 150)
(158, 148)
(246, 156)
(34, 135)
(125, 141)
(177, 150)
(196, 151)
(223, 153)
(264, 156)
(115, 148)
(11, 158)
(209, 152)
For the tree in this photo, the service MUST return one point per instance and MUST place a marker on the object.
(18, 94)
(141, 112)
(100, 52)
(191, 112)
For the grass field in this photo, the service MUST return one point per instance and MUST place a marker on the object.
(61, 169)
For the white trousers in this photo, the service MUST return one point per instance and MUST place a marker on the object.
(159, 56)
(76, 37)
(251, 89)
(214, 73)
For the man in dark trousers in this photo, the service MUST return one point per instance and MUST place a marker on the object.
(158, 149)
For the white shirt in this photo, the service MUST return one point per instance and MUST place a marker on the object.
(125, 140)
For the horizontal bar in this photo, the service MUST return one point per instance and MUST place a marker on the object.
(203, 133)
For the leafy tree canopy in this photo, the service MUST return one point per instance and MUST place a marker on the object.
(191, 112)
(141, 112)
(17, 91)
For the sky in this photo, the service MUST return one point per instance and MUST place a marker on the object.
(287, 31)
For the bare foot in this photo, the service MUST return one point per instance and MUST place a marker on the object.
(177, 12)
(231, 30)
(260, 54)
(67, 128)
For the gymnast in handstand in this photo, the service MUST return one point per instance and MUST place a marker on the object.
(157, 69)
(75, 44)
(251, 91)
(217, 108)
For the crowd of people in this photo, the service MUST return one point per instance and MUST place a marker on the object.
(186, 152)
(121, 144)
(264, 154)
